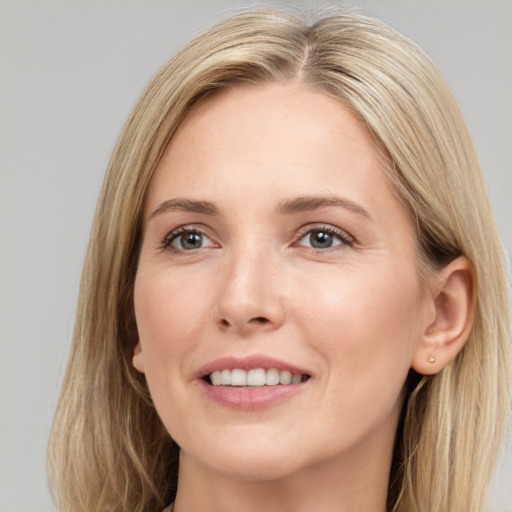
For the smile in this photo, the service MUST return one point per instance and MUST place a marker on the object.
(255, 378)
(251, 382)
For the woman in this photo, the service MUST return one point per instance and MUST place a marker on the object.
(294, 295)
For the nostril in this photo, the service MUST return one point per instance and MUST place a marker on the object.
(255, 321)
(260, 320)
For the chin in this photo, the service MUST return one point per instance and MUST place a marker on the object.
(247, 460)
(255, 467)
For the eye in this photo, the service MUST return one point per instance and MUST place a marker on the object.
(186, 239)
(325, 237)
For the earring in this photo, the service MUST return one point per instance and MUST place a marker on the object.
(431, 358)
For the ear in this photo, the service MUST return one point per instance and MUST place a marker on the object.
(138, 358)
(453, 295)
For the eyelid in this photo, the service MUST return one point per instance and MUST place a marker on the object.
(346, 238)
(166, 242)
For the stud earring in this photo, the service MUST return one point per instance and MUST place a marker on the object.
(431, 358)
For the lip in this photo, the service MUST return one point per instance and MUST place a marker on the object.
(247, 363)
(249, 399)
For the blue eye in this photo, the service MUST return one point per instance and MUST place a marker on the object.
(186, 239)
(324, 238)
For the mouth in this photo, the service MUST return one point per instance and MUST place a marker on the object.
(254, 378)
(251, 382)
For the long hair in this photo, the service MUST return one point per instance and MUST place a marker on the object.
(108, 449)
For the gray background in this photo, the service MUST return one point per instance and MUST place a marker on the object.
(69, 74)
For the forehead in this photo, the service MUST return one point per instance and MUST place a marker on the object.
(274, 141)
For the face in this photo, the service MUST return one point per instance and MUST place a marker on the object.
(277, 296)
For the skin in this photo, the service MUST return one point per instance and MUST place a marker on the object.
(354, 316)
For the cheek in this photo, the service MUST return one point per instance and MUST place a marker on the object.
(366, 327)
(169, 312)
(165, 306)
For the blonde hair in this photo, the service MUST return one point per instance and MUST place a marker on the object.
(108, 448)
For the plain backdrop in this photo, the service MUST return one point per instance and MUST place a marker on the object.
(69, 74)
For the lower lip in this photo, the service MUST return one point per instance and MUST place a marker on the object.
(250, 399)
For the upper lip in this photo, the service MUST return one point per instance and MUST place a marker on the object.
(247, 363)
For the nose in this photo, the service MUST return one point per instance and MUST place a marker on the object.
(250, 295)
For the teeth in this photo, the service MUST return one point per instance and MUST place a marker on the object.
(272, 377)
(285, 377)
(238, 378)
(226, 377)
(216, 378)
(255, 378)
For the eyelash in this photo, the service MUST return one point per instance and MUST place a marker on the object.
(343, 237)
(176, 233)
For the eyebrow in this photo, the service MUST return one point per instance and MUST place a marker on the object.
(309, 203)
(186, 205)
(300, 204)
